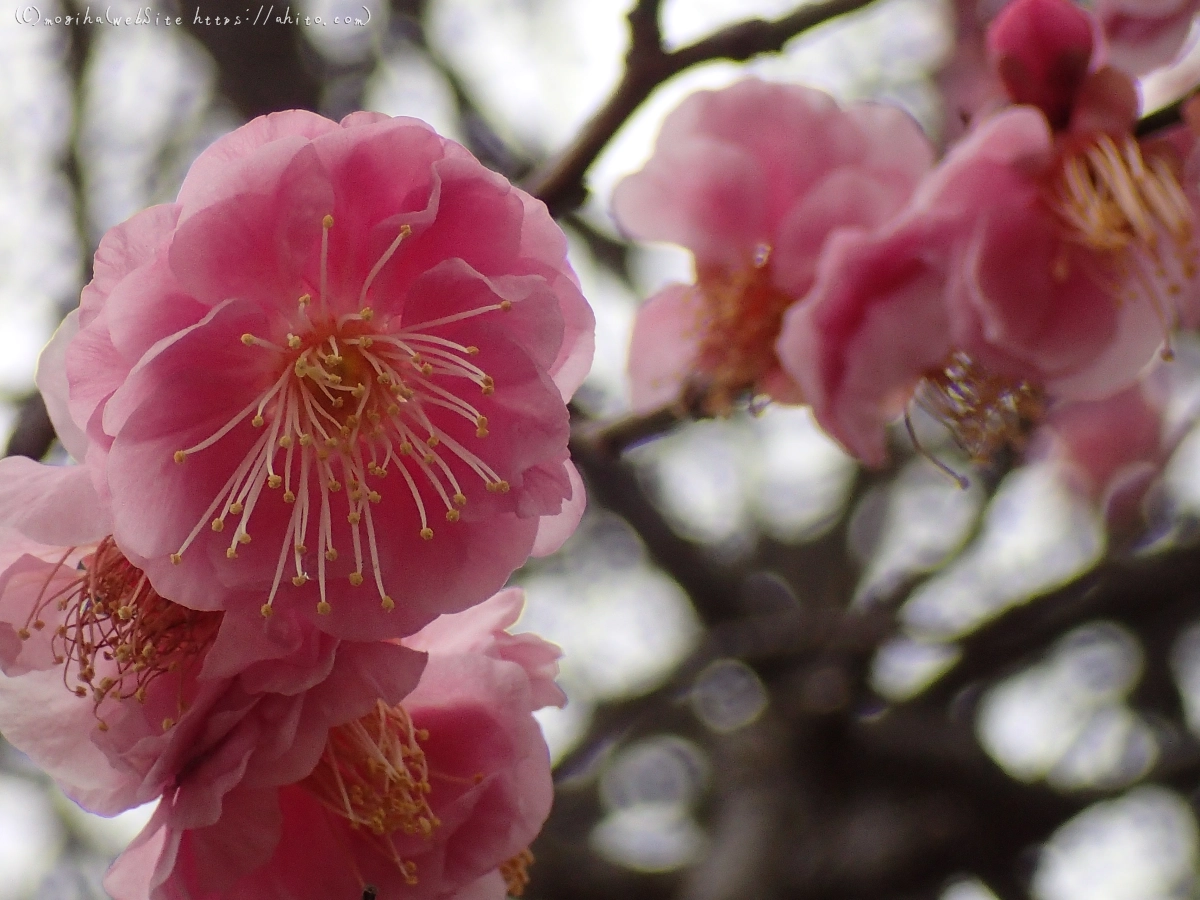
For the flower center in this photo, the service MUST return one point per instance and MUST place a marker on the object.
(515, 872)
(1131, 209)
(352, 401)
(373, 774)
(117, 635)
(985, 413)
(742, 317)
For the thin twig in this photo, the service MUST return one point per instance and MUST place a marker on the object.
(559, 182)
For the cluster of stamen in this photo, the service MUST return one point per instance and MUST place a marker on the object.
(1131, 209)
(374, 775)
(742, 315)
(354, 400)
(515, 872)
(985, 413)
(116, 634)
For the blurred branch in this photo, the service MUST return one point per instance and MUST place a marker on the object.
(481, 138)
(1131, 591)
(262, 67)
(559, 182)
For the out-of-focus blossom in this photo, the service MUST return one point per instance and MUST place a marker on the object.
(1047, 258)
(1110, 450)
(326, 305)
(1138, 36)
(437, 797)
(1143, 35)
(120, 694)
(753, 179)
(968, 85)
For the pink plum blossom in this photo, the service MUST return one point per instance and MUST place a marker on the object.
(120, 694)
(1144, 35)
(1035, 264)
(1109, 450)
(753, 179)
(437, 797)
(325, 306)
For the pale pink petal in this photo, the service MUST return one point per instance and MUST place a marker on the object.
(665, 346)
(51, 504)
(51, 380)
(554, 530)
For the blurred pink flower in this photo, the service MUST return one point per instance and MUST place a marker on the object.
(753, 179)
(120, 694)
(1034, 264)
(326, 305)
(1144, 35)
(436, 798)
(1109, 450)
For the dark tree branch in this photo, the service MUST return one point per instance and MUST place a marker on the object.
(559, 182)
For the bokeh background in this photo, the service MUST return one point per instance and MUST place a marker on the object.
(789, 678)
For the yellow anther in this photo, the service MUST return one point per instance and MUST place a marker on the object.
(304, 300)
(405, 448)
(322, 454)
(176, 559)
(180, 456)
(331, 442)
(502, 486)
(427, 369)
(306, 440)
(354, 517)
(257, 421)
(218, 524)
(473, 350)
(167, 723)
(392, 409)
(248, 339)
(452, 515)
(23, 634)
(300, 580)
(324, 609)
(293, 341)
(481, 431)
(235, 508)
(374, 496)
(267, 610)
(459, 499)
(285, 441)
(432, 441)
(356, 578)
(231, 553)
(427, 534)
(506, 305)
(334, 485)
(387, 603)
(429, 458)
(331, 554)
(243, 538)
(289, 497)
(100, 723)
(327, 222)
(274, 481)
(300, 549)
(366, 313)
(338, 403)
